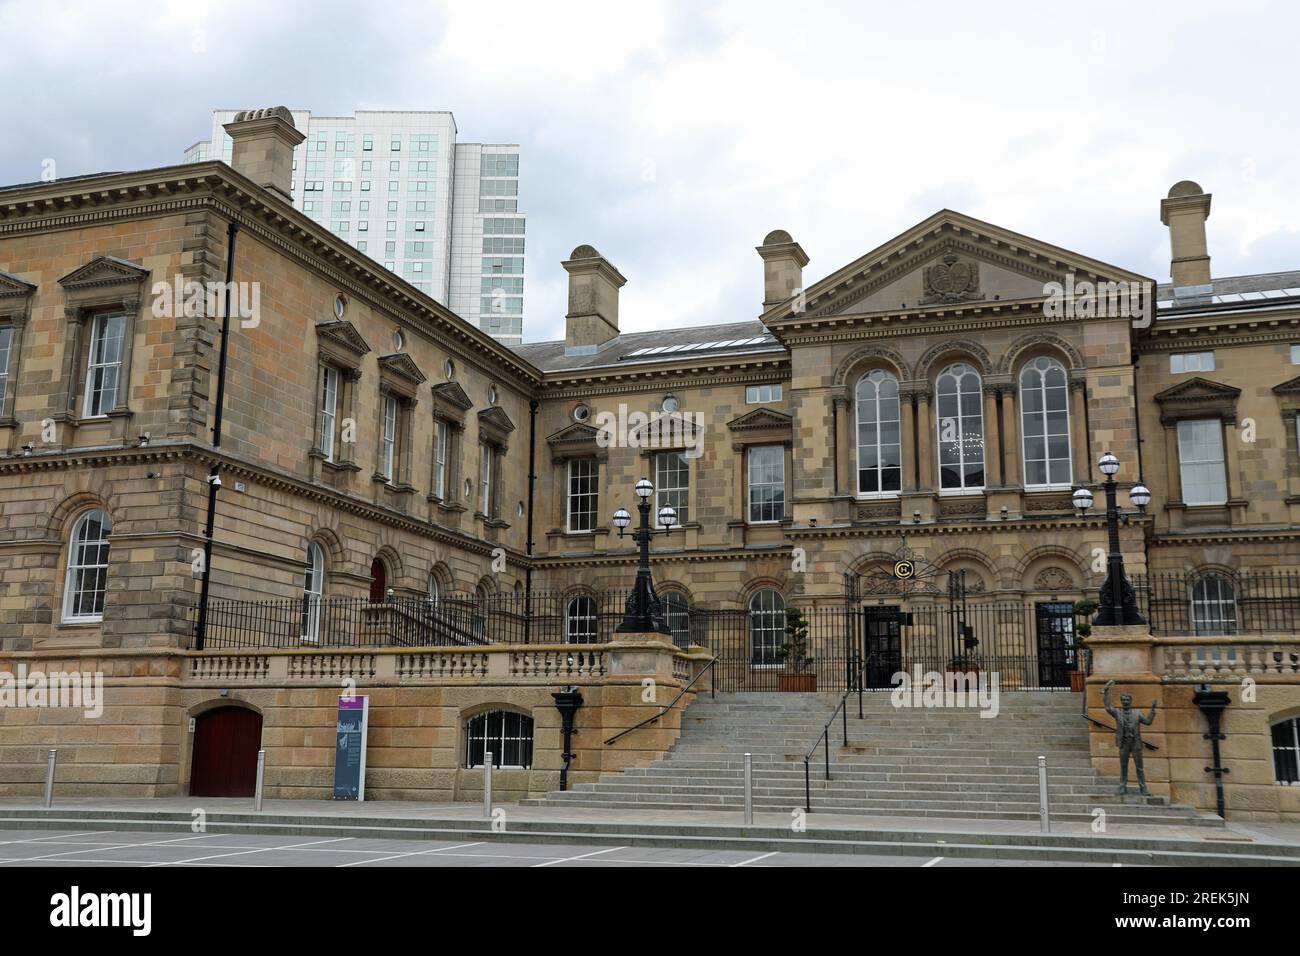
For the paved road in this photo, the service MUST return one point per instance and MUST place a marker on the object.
(89, 847)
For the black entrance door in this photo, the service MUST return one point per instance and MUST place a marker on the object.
(1056, 650)
(884, 647)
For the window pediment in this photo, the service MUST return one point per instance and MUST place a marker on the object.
(761, 418)
(12, 287)
(400, 373)
(341, 341)
(104, 272)
(1290, 387)
(494, 425)
(450, 401)
(577, 440)
(1198, 397)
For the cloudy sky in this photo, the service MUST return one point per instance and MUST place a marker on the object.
(674, 135)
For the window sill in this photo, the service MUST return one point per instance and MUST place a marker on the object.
(961, 492)
(878, 496)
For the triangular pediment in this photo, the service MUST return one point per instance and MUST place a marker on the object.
(403, 366)
(494, 417)
(14, 287)
(577, 433)
(1290, 387)
(947, 261)
(104, 271)
(343, 333)
(452, 394)
(761, 418)
(1197, 390)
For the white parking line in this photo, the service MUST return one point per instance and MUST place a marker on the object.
(107, 846)
(55, 837)
(215, 856)
(931, 862)
(582, 856)
(755, 859)
(398, 856)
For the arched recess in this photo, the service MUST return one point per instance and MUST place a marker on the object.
(330, 542)
(944, 353)
(224, 747)
(505, 730)
(864, 359)
(446, 581)
(1050, 555)
(1039, 343)
(61, 518)
(990, 577)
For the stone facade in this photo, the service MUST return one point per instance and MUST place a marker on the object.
(404, 375)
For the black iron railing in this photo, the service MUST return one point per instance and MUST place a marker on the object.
(1220, 603)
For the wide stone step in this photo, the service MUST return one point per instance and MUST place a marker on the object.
(1082, 786)
(1081, 776)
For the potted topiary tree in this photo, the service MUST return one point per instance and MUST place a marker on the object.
(1083, 610)
(798, 675)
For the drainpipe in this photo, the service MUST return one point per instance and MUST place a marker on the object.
(214, 476)
(533, 405)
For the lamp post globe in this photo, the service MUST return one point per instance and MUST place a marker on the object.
(622, 519)
(1140, 495)
(1108, 464)
(1082, 499)
(644, 489)
(644, 613)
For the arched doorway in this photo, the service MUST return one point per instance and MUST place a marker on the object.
(378, 581)
(224, 761)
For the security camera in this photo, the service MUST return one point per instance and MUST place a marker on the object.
(144, 439)
(215, 480)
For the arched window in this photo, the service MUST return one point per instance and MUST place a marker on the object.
(433, 589)
(580, 620)
(960, 422)
(87, 579)
(1045, 422)
(1214, 606)
(766, 626)
(1286, 751)
(677, 612)
(880, 455)
(505, 734)
(313, 588)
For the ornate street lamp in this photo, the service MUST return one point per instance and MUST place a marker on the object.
(645, 612)
(1118, 604)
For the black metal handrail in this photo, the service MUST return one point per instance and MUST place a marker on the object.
(713, 692)
(824, 738)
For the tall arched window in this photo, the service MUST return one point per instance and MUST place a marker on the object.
(1214, 606)
(880, 455)
(677, 613)
(433, 588)
(960, 424)
(766, 626)
(87, 578)
(580, 620)
(505, 734)
(1286, 751)
(313, 588)
(1045, 422)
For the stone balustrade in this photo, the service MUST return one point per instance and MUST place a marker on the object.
(1209, 659)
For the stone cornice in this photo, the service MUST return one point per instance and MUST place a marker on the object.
(214, 186)
(1226, 333)
(617, 381)
(261, 474)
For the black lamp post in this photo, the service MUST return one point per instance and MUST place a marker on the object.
(567, 703)
(644, 613)
(1118, 604)
(1212, 704)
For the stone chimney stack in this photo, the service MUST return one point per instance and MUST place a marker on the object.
(1185, 212)
(783, 262)
(263, 148)
(592, 319)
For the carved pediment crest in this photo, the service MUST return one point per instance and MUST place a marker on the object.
(14, 287)
(344, 334)
(951, 280)
(453, 395)
(403, 366)
(760, 418)
(102, 272)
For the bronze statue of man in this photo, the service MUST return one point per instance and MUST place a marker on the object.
(1128, 735)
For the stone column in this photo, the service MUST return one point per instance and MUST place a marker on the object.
(1078, 429)
(907, 440)
(992, 439)
(845, 445)
(925, 442)
(1011, 436)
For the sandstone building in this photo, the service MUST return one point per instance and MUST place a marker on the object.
(407, 504)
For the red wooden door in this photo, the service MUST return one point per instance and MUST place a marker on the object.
(378, 581)
(224, 763)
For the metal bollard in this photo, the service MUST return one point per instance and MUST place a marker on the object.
(261, 769)
(487, 785)
(49, 778)
(749, 789)
(1045, 823)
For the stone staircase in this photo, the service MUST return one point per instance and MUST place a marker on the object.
(897, 762)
